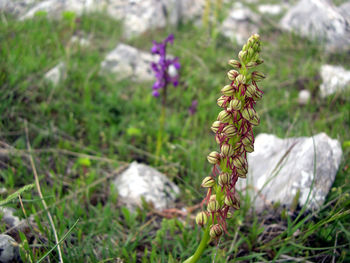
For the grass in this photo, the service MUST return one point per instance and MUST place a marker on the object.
(86, 129)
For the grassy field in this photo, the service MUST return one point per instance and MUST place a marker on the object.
(83, 131)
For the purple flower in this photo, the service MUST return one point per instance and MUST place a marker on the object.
(166, 70)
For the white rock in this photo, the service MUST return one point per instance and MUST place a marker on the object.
(9, 251)
(138, 16)
(8, 217)
(279, 168)
(304, 97)
(270, 9)
(128, 62)
(240, 24)
(142, 181)
(321, 20)
(56, 74)
(81, 41)
(345, 9)
(334, 79)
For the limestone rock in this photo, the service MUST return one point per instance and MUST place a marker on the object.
(270, 9)
(240, 24)
(81, 41)
(138, 15)
(321, 20)
(334, 79)
(345, 9)
(9, 252)
(56, 74)
(8, 217)
(128, 62)
(279, 168)
(140, 180)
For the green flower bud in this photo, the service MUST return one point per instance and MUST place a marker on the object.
(217, 139)
(201, 219)
(249, 148)
(230, 131)
(256, 120)
(242, 172)
(256, 46)
(258, 76)
(208, 182)
(224, 116)
(232, 74)
(215, 231)
(213, 206)
(235, 104)
(228, 90)
(234, 63)
(256, 56)
(248, 113)
(215, 126)
(239, 161)
(242, 55)
(255, 37)
(224, 179)
(250, 91)
(214, 158)
(245, 47)
(229, 215)
(232, 201)
(250, 52)
(222, 102)
(241, 79)
(257, 95)
(251, 64)
(227, 150)
(248, 140)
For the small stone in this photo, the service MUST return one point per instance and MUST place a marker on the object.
(56, 74)
(270, 9)
(142, 181)
(9, 251)
(81, 41)
(334, 79)
(279, 168)
(9, 218)
(304, 97)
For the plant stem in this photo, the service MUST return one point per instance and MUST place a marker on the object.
(160, 133)
(203, 244)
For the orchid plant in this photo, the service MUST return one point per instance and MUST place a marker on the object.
(166, 72)
(234, 133)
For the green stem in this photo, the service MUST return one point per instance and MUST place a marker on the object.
(203, 244)
(160, 133)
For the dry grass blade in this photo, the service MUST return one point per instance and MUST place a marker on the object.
(37, 183)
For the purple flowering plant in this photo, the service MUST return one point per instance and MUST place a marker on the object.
(166, 71)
